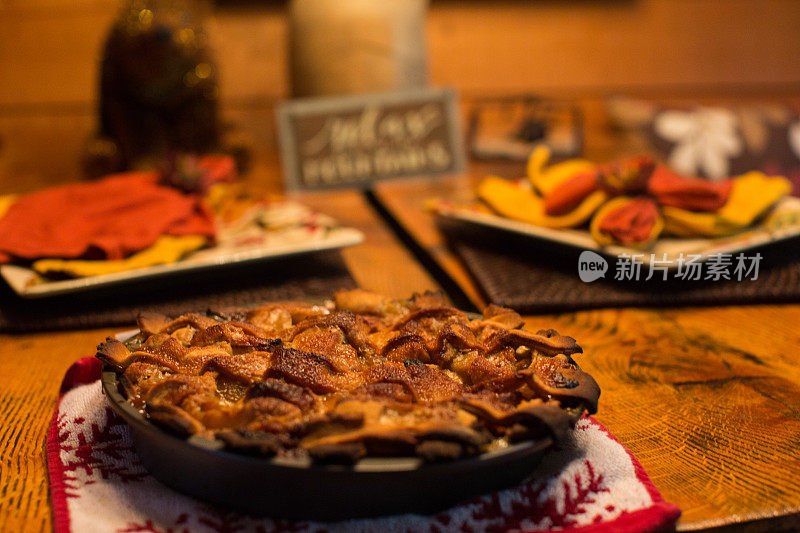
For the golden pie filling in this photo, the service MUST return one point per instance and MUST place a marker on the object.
(363, 375)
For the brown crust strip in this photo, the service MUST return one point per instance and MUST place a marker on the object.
(548, 342)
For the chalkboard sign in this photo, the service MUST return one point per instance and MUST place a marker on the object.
(353, 141)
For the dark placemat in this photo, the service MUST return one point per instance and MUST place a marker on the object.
(303, 277)
(540, 277)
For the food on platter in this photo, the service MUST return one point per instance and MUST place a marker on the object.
(135, 220)
(360, 376)
(631, 202)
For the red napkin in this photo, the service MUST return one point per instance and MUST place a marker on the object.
(107, 219)
(631, 222)
(672, 189)
(590, 484)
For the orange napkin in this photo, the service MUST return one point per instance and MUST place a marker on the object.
(675, 190)
(107, 219)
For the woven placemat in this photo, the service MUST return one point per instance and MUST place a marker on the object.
(540, 277)
(303, 277)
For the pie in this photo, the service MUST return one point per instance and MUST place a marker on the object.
(362, 375)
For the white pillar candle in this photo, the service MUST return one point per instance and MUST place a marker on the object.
(356, 46)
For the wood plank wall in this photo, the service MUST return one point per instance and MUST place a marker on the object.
(49, 51)
(49, 48)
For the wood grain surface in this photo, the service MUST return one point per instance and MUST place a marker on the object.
(708, 405)
(32, 367)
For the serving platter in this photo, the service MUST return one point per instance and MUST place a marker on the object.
(28, 284)
(782, 224)
(265, 233)
(295, 488)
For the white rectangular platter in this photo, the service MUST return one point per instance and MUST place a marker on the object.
(263, 234)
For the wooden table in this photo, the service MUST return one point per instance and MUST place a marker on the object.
(708, 399)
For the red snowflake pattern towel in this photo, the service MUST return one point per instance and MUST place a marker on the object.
(591, 484)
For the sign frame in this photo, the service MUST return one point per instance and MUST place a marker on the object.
(290, 111)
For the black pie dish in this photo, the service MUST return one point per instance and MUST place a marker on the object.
(294, 488)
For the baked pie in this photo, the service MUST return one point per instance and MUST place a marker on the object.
(363, 375)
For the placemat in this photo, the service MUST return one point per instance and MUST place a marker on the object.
(542, 277)
(309, 276)
(590, 484)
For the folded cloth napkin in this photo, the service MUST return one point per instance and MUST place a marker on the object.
(106, 219)
(590, 484)
(670, 188)
(627, 221)
(166, 249)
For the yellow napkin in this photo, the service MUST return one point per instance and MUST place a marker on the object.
(167, 249)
